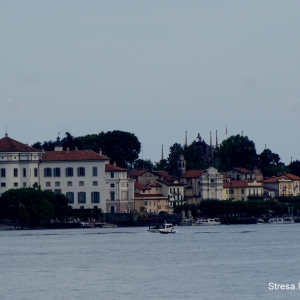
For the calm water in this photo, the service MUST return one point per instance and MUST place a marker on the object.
(222, 262)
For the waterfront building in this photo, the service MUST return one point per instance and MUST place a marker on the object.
(150, 197)
(84, 176)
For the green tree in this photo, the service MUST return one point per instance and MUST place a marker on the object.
(294, 167)
(121, 147)
(60, 203)
(237, 151)
(269, 163)
(141, 164)
(28, 205)
(175, 151)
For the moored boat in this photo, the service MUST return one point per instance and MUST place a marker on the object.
(207, 222)
(286, 220)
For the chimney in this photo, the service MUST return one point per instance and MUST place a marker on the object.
(67, 149)
(100, 151)
(76, 148)
(115, 163)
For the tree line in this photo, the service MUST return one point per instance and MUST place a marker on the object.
(124, 149)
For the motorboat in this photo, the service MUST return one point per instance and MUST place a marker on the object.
(286, 220)
(155, 227)
(260, 221)
(207, 222)
(185, 222)
(168, 228)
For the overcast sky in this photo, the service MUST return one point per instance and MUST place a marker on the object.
(153, 68)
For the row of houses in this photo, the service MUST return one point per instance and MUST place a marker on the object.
(90, 181)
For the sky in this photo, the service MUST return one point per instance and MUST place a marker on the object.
(154, 68)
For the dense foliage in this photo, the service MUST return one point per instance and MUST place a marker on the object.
(237, 151)
(121, 147)
(32, 205)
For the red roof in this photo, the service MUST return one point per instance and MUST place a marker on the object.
(275, 179)
(9, 145)
(244, 171)
(109, 167)
(137, 173)
(236, 184)
(192, 174)
(141, 186)
(72, 155)
(292, 176)
(154, 184)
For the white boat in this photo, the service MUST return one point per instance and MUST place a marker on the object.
(186, 222)
(286, 220)
(208, 222)
(155, 227)
(260, 221)
(168, 228)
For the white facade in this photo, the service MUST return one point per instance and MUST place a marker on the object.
(211, 184)
(84, 176)
(84, 185)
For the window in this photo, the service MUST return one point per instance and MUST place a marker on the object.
(81, 197)
(58, 191)
(57, 183)
(3, 184)
(69, 183)
(15, 172)
(24, 172)
(47, 172)
(95, 183)
(112, 185)
(69, 172)
(2, 173)
(24, 184)
(70, 196)
(95, 171)
(146, 203)
(95, 197)
(56, 172)
(35, 172)
(48, 184)
(16, 184)
(112, 175)
(81, 207)
(81, 172)
(81, 183)
(112, 196)
(231, 191)
(243, 191)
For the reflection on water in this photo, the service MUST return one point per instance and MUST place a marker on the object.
(227, 262)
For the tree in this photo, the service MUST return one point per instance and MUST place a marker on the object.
(121, 147)
(294, 167)
(28, 205)
(269, 163)
(175, 151)
(141, 164)
(237, 151)
(60, 203)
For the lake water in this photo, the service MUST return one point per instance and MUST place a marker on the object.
(215, 262)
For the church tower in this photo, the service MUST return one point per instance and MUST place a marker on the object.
(181, 165)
